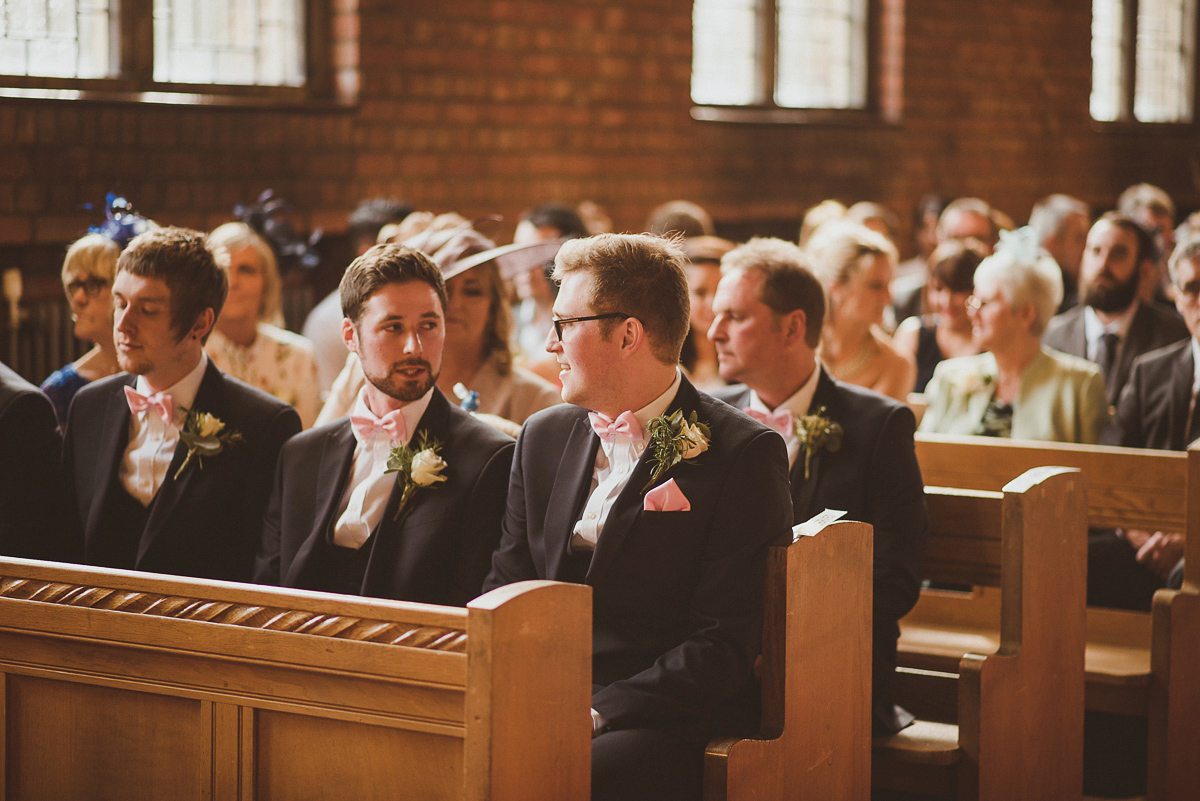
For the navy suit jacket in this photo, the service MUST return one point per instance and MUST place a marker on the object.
(677, 596)
(205, 524)
(1151, 327)
(440, 549)
(34, 522)
(874, 478)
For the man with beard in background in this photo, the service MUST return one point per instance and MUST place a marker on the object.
(1112, 327)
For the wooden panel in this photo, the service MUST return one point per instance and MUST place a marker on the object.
(105, 743)
(302, 758)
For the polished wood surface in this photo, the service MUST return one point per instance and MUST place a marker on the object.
(815, 741)
(128, 686)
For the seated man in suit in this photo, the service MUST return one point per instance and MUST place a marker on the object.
(660, 498)
(339, 519)
(1157, 409)
(1112, 327)
(169, 464)
(33, 519)
(768, 313)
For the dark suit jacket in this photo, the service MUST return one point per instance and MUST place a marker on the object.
(33, 518)
(1153, 408)
(207, 523)
(1151, 327)
(440, 549)
(874, 478)
(677, 596)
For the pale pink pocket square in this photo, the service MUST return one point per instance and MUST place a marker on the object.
(666, 497)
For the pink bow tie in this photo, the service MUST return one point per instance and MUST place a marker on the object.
(779, 420)
(391, 425)
(626, 427)
(162, 403)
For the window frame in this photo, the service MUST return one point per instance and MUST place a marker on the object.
(135, 82)
(1128, 88)
(885, 43)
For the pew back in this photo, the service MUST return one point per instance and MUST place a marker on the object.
(125, 685)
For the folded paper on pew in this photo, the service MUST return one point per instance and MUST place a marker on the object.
(809, 528)
(667, 497)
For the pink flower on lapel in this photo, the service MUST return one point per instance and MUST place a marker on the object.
(666, 497)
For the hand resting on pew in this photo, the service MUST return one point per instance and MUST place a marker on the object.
(1159, 551)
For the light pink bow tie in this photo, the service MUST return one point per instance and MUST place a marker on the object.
(391, 425)
(626, 427)
(779, 420)
(162, 403)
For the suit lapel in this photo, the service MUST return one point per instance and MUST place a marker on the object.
(114, 438)
(804, 490)
(1182, 372)
(572, 483)
(173, 493)
(333, 471)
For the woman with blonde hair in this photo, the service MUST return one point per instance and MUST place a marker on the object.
(247, 341)
(87, 276)
(854, 264)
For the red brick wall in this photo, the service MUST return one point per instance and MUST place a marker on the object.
(492, 105)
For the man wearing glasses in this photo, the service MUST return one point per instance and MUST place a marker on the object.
(667, 521)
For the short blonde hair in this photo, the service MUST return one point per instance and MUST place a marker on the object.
(231, 236)
(93, 255)
(838, 249)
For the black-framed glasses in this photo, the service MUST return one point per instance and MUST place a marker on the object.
(559, 322)
(91, 286)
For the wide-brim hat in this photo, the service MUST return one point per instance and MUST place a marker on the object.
(511, 260)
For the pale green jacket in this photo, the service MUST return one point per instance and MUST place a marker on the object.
(1062, 398)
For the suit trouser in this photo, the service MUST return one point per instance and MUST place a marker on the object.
(633, 764)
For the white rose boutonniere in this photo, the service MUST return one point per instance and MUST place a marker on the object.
(673, 440)
(204, 435)
(973, 382)
(417, 467)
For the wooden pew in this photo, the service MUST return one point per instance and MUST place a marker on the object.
(1134, 661)
(1016, 730)
(132, 686)
(815, 739)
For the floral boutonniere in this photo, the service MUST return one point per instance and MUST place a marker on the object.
(204, 435)
(418, 467)
(974, 381)
(816, 432)
(673, 440)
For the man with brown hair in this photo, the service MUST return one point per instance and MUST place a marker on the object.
(340, 520)
(659, 497)
(170, 462)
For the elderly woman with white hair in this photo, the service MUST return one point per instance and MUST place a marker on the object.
(1017, 388)
(246, 343)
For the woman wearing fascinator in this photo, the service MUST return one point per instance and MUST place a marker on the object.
(1018, 388)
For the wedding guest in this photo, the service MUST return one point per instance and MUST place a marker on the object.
(546, 222)
(946, 331)
(1062, 222)
(816, 216)
(169, 463)
(768, 320)
(680, 218)
(34, 521)
(338, 519)
(1017, 388)
(87, 275)
(855, 265)
(1113, 326)
(675, 555)
(703, 270)
(245, 343)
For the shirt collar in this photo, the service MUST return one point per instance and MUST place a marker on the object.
(1093, 328)
(411, 412)
(659, 405)
(183, 392)
(799, 402)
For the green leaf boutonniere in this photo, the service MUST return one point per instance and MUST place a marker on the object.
(815, 432)
(418, 467)
(204, 435)
(673, 440)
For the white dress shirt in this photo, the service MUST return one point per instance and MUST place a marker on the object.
(369, 487)
(615, 462)
(797, 404)
(1094, 328)
(151, 441)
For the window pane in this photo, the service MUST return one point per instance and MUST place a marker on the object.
(725, 53)
(256, 42)
(1108, 42)
(57, 38)
(1166, 41)
(822, 54)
